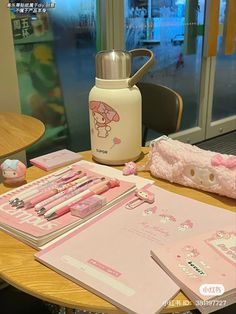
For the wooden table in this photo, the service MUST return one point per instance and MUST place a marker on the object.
(18, 267)
(17, 132)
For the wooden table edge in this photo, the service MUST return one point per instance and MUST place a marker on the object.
(39, 122)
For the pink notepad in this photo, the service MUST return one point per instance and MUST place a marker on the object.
(204, 267)
(56, 159)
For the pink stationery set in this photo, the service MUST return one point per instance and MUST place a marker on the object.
(110, 255)
(40, 211)
(56, 159)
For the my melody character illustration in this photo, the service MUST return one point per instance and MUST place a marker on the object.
(222, 235)
(141, 196)
(103, 115)
(150, 211)
(166, 217)
(191, 251)
(186, 225)
(13, 171)
(129, 168)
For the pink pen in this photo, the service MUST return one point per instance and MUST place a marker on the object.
(45, 181)
(19, 203)
(97, 189)
(78, 182)
(72, 199)
(39, 197)
(71, 192)
(70, 176)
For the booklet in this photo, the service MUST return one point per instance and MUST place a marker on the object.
(204, 267)
(35, 230)
(110, 255)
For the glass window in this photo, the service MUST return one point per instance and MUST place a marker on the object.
(55, 47)
(173, 30)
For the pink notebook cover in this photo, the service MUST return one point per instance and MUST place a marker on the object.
(33, 226)
(201, 261)
(113, 261)
(56, 159)
(111, 254)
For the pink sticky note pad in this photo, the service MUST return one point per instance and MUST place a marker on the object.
(56, 159)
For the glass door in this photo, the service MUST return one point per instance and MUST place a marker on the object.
(183, 34)
(173, 30)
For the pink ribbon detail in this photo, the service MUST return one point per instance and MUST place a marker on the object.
(219, 160)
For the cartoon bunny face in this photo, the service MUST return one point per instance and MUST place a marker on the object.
(201, 176)
(99, 118)
(103, 115)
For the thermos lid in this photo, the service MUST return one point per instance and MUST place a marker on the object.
(113, 64)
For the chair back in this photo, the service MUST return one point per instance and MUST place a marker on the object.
(162, 109)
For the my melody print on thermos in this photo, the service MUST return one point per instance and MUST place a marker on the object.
(115, 107)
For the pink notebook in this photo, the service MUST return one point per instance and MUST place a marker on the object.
(112, 259)
(36, 230)
(111, 254)
(204, 267)
(56, 159)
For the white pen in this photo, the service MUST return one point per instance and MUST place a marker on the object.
(72, 199)
(32, 191)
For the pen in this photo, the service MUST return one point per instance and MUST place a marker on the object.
(39, 197)
(70, 193)
(73, 198)
(33, 190)
(97, 189)
(49, 185)
(41, 204)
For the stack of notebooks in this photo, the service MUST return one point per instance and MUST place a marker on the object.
(190, 252)
(35, 230)
(203, 267)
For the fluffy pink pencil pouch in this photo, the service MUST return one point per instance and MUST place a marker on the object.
(192, 166)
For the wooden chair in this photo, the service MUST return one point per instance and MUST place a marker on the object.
(162, 109)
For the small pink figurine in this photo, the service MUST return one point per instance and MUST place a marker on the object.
(13, 172)
(130, 168)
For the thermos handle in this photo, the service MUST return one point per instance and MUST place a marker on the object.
(137, 53)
